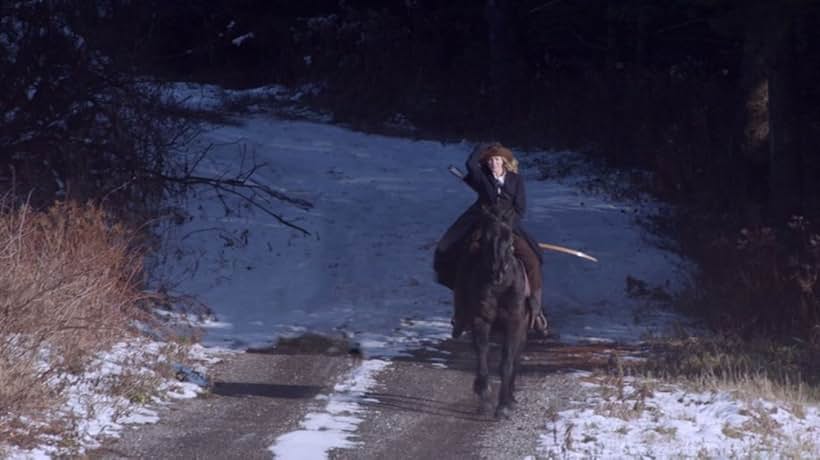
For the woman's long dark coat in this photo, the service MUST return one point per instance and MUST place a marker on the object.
(490, 192)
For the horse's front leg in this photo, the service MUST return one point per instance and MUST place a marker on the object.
(481, 343)
(514, 341)
(522, 344)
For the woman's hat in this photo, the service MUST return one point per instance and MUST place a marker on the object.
(495, 149)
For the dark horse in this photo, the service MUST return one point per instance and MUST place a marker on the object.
(490, 289)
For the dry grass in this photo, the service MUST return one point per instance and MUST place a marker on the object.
(69, 288)
(751, 369)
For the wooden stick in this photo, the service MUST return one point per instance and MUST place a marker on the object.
(456, 172)
(553, 247)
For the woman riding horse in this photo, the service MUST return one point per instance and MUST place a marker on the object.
(492, 171)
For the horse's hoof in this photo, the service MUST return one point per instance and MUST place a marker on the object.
(503, 412)
(481, 386)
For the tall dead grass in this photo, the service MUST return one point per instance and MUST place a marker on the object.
(69, 287)
(757, 369)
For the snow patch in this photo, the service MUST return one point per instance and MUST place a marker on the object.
(666, 421)
(98, 412)
(333, 427)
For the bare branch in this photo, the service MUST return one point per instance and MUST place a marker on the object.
(229, 185)
(262, 208)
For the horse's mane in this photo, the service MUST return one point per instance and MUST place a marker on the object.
(496, 242)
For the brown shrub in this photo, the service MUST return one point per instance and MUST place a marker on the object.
(69, 288)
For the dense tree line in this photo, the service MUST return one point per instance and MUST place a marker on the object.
(717, 98)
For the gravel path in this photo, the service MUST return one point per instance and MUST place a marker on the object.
(254, 398)
(422, 406)
(428, 411)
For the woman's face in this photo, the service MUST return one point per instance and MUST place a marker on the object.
(496, 165)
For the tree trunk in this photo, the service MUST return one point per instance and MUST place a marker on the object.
(767, 160)
(748, 166)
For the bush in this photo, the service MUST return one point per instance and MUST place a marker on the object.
(69, 288)
(758, 281)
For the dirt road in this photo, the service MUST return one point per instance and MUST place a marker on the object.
(421, 406)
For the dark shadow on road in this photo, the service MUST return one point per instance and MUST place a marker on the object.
(267, 390)
(463, 410)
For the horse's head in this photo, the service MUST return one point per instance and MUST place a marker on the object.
(497, 241)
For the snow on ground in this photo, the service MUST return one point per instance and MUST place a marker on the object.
(332, 428)
(640, 418)
(98, 410)
(212, 97)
